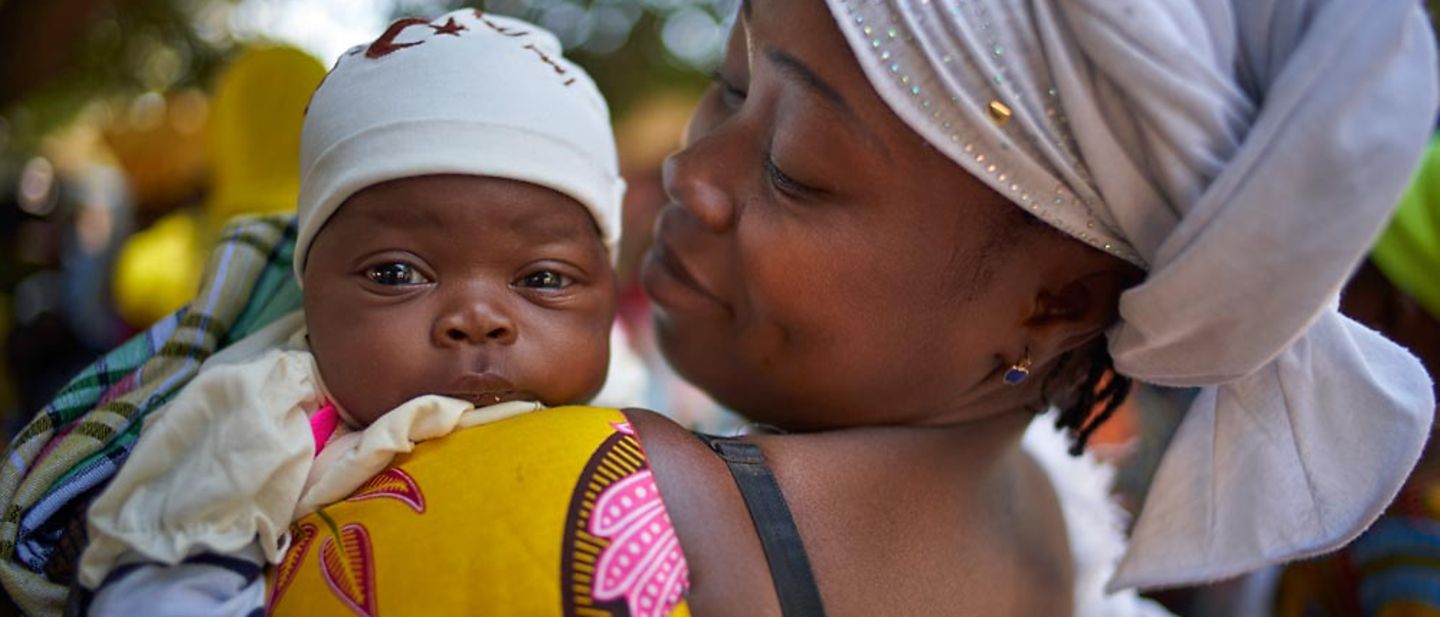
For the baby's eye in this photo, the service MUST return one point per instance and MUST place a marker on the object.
(546, 279)
(395, 274)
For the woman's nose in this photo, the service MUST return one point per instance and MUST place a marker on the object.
(475, 321)
(702, 179)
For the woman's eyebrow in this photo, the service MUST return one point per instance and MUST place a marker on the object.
(792, 66)
(799, 71)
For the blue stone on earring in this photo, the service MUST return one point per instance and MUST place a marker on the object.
(1016, 374)
(1018, 371)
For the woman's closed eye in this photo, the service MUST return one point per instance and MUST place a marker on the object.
(395, 274)
(784, 183)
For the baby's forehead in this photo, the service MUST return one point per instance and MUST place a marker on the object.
(445, 202)
(559, 224)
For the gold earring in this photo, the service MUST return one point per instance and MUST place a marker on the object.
(1018, 371)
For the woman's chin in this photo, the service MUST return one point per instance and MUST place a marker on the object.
(704, 361)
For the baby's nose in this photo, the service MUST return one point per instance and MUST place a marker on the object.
(476, 322)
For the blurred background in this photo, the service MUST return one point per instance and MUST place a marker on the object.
(130, 130)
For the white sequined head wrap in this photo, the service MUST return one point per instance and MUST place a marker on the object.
(1245, 153)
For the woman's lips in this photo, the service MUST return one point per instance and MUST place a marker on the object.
(670, 283)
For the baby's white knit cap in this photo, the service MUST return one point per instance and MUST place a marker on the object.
(466, 93)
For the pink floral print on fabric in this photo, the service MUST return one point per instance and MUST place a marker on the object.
(643, 562)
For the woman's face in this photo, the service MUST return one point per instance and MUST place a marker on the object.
(820, 265)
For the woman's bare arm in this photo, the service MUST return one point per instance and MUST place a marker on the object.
(728, 571)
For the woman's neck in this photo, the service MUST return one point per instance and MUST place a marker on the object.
(973, 446)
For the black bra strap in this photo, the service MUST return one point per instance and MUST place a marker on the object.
(789, 565)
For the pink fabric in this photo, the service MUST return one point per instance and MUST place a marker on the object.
(643, 562)
(323, 423)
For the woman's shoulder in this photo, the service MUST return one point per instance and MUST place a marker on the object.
(883, 536)
(724, 554)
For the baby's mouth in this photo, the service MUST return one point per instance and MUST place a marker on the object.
(485, 389)
(486, 399)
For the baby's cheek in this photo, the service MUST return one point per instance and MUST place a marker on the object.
(352, 378)
(587, 362)
(601, 363)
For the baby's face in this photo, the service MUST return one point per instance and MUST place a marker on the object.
(478, 288)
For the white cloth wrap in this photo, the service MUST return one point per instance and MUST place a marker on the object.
(1245, 153)
(230, 462)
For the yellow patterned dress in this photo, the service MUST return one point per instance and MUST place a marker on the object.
(549, 513)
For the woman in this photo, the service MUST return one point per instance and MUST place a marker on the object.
(844, 261)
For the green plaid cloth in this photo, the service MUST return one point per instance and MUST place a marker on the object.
(73, 446)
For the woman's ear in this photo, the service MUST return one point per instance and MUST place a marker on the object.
(1074, 311)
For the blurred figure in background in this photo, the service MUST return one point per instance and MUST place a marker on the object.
(74, 209)
(254, 144)
(82, 282)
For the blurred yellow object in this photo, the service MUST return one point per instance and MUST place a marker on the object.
(158, 269)
(159, 140)
(254, 122)
(652, 130)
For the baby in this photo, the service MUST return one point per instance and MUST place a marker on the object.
(459, 205)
